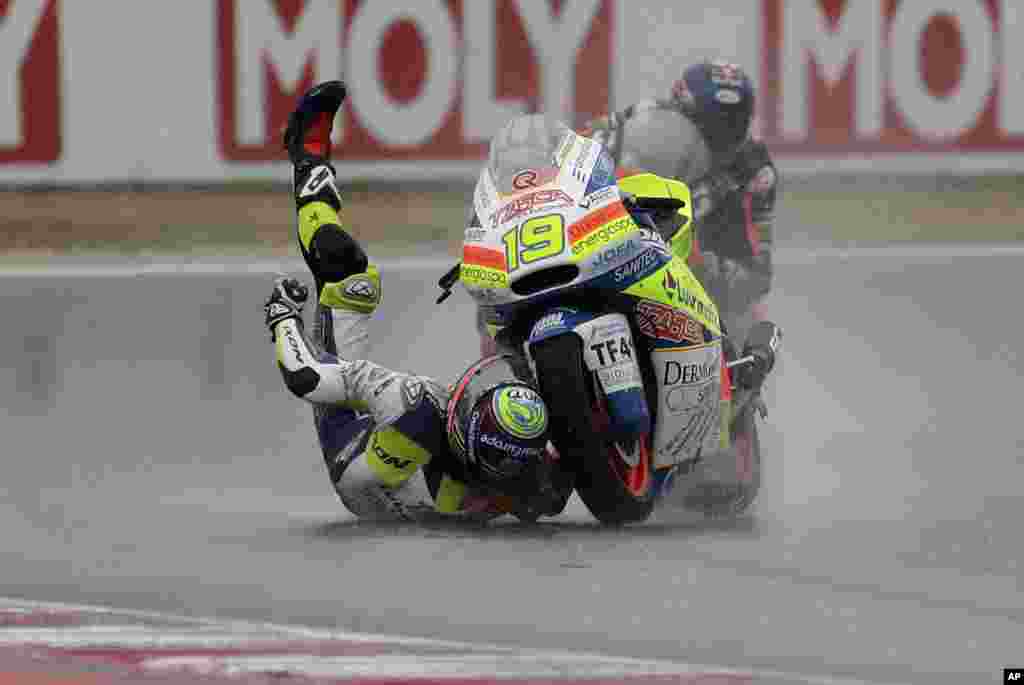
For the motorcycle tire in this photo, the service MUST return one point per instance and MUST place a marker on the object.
(574, 405)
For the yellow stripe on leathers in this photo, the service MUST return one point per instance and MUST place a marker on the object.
(450, 494)
(393, 457)
(312, 217)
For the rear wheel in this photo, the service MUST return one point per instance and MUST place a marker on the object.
(615, 481)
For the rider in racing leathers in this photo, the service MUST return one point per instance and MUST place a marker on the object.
(401, 446)
(734, 202)
(397, 446)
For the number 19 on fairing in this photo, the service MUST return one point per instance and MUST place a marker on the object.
(533, 240)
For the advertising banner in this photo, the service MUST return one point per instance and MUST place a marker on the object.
(30, 82)
(108, 91)
(427, 80)
(876, 79)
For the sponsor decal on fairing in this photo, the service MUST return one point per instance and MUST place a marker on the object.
(660, 321)
(533, 178)
(689, 395)
(609, 352)
(599, 198)
(615, 254)
(620, 377)
(601, 235)
(642, 266)
(535, 201)
(677, 292)
(547, 322)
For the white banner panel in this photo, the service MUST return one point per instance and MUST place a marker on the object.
(199, 91)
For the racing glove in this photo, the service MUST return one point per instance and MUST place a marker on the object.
(750, 158)
(284, 303)
(762, 346)
(711, 191)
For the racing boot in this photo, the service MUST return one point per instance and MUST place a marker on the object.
(329, 250)
(348, 288)
(308, 135)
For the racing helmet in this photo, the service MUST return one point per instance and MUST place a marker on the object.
(718, 97)
(497, 424)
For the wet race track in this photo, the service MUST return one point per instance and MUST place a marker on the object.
(154, 461)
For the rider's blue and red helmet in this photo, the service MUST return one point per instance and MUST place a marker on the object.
(718, 97)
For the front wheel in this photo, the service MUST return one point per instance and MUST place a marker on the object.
(615, 481)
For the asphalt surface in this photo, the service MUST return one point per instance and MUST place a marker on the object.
(152, 460)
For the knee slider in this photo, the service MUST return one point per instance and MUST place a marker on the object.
(360, 292)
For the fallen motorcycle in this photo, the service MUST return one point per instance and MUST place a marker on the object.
(626, 346)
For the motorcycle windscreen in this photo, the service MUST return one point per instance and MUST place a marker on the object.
(666, 143)
(523, 154)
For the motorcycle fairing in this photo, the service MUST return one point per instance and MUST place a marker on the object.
(674, 285)
(559, 228)
(558, 321)
(609, 352)
(548, 228)
(690, 397)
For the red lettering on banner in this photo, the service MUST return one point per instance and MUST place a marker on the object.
(30, 78)
(891, 76)
(412, 96)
